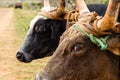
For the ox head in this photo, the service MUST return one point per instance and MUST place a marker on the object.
(42, 37)
(77, 58)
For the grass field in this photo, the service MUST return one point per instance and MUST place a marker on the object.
(22, 20)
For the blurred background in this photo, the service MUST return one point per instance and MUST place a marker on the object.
(32, 4)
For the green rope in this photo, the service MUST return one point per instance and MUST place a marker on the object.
(99, 41)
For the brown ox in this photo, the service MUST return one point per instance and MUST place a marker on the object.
(77, 58)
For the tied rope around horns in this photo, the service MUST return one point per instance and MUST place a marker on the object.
(69, 16)
(72, 16)
(52, 14)
(99, 41)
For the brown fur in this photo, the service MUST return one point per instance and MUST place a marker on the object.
(86, 62)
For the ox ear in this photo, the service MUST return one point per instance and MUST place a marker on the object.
(114, 44)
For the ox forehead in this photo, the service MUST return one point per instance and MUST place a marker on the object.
(77, 58)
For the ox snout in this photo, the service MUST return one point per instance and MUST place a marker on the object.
(22, 58)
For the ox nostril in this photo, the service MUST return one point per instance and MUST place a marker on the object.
(23, 58)
(20, 56)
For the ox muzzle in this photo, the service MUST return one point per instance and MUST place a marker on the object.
(23, 58)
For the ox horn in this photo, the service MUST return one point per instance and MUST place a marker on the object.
(81, 5)
(109, 20)
(46, 3)
(54, 13)
(61, 8)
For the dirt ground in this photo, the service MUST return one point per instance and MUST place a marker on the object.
(10, 67)
(8, 41)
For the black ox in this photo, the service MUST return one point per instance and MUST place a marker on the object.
(44, 35)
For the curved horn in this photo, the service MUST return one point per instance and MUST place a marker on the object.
(61, 8)
(109, 20)
(81, 5)
(46, 3)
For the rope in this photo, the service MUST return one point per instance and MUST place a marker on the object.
(72, 17)
(99, 41)
(52, 14)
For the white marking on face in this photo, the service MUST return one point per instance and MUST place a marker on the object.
(34, 20)
(40, 16)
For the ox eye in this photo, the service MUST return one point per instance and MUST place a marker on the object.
(37, 29)
(76, 48)
(40, 29)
